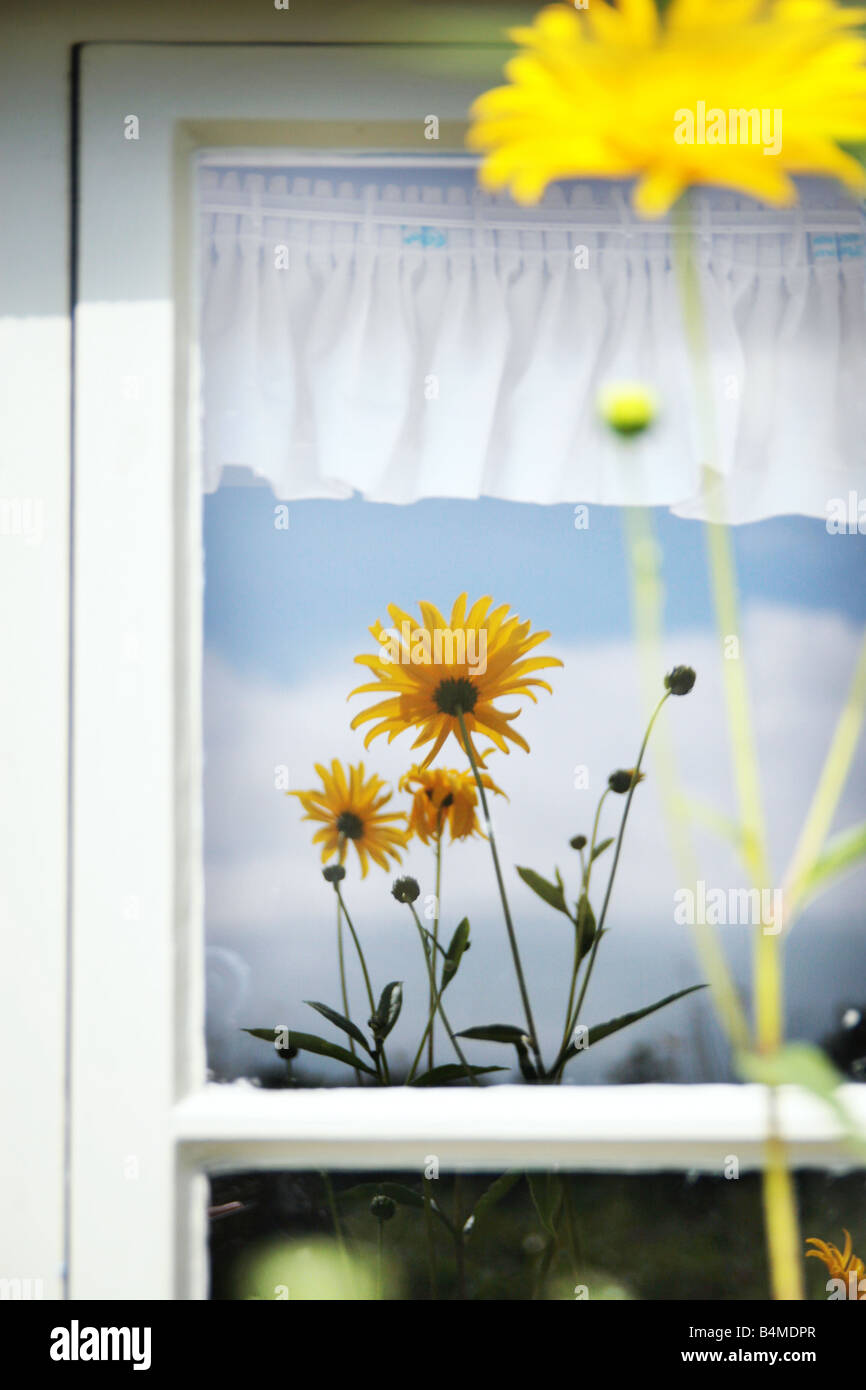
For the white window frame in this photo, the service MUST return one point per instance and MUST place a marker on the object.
(145, 1128)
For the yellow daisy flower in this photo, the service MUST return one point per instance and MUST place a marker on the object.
(620, 92)
(443, 797)
(431, 670)
(351, 811)
(840, 1263)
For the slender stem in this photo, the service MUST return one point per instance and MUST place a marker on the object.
(438, 996)
(431, 1239)
(543, 1268)
(780, 1217)
(379, 1055)
(357, 948)
(459, 1252)
(616, 854)
(437, 890)
(380, 1248)
(780, 1211)
(587, 872)
(509, 925)
(647, 601)
(343, 990)
(570, 1227)
(831, 782)
(335, 1216)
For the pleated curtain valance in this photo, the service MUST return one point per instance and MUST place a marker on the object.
(410, 338)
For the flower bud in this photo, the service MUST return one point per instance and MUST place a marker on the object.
(334, 873)
(382, 1208)
(578, 842)
(680, 680)
(405, 890)
(625, 778)
(628, 407)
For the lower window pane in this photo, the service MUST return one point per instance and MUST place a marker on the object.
(484, 1236)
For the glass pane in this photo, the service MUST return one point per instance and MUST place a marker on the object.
(595, 1236)
(286, 613)
(349, 354)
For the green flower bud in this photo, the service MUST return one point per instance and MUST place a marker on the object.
(680, 680)
(334, 873)
(628, 407)
(625, 778)
(579, 842)
(405, 890)
(382, 1208)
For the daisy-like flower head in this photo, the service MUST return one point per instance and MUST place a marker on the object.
(444, 798)
(771, 88)
(840, 1263)
(430, 670)
(350, 809)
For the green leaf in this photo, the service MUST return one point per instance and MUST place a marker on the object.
(403, 1196)
(496, 1032)
(586, 928)
(551, 893)
(493, 1194)
(308, 1042)
(546, 1190)
(600, 849)
(341, 1022)
(506, 1033)
(843, 852)
(454, 955)
(604, 1030)
(387, 1010)
(448, 1072)
(803, 1064)
(268, 1035)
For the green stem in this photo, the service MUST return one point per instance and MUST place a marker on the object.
(647, 600)
(379, 1055)
(617, 849)
(335, 1216)
(380, 1250)
(781, 1220)
(509, 925)
(437, 891)
(438, 997)
(431, 1239)
(357, 948)
(459, 1251)
(587, 873)
(343, 990)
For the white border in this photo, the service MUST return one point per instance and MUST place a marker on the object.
(144, 1129)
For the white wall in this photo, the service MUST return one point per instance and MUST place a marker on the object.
(35, 137)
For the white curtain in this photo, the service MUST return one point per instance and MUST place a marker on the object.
(412, 339)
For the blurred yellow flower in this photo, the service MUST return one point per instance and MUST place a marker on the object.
(444, 798)
(840, 1263)
(351, 811)
(740, 93)
(434, 669)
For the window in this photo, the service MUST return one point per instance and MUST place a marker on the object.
(139, 1165)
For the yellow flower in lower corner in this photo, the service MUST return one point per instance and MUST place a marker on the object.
(443, 798)
(432, 670)
(350, 809)
(737, 93)
(841, 1264)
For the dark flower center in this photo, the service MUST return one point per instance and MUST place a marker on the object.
(455, 693)
(350, 825)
